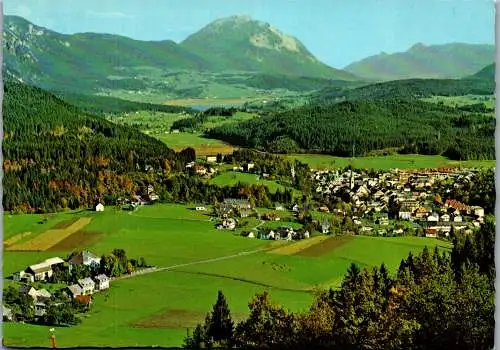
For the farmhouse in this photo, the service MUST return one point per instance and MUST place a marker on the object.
(99, 207)
(42, 295)
(228, 224)
(87, 285)
(23, 276)
(85, 258)
(242, 206)
(40, 272)
(74, 290)
(102, 282)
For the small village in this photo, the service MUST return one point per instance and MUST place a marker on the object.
(392, 203)
(407, 198)
(72, 283)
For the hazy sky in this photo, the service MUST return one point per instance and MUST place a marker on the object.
(338, 32)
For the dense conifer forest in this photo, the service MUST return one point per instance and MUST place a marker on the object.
(410, 89)
(363, 126)
(58, 156)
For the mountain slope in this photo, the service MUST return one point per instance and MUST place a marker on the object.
(90, 62)
(84, 61)
(487, 73)
(56, 156)
(239, 43)
(454, 60)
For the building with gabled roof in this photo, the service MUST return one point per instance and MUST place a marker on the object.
(102, 282)
(74, 290)
(87, 284)
(85, 258)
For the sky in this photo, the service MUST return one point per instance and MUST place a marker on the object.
(337, 32)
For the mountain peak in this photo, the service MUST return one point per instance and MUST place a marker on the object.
(417, 47)
(235, 18)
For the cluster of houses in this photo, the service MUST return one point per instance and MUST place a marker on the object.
(232, 206)
(283, 233)
(201, 170)
(43, 272)
(411, 192)
(149, 197)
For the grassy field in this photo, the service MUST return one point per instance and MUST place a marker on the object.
(462, 100)
(231, 178)
(156, 309)
(411, 161)
(201, 145)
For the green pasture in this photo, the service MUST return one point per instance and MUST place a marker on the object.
(400, 161)
(156, 309)
(298, 272)
(120, 317)
(231, 178)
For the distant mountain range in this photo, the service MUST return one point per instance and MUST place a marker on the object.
(239, 43)
(454, 60)
(91, 61)
(235, 51)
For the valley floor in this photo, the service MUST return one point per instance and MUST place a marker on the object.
(198, 260)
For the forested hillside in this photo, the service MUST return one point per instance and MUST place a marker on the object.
(410, 126)
(105, 104)
(410, 89)
(57, 156)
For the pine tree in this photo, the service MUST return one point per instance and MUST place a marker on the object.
(220, 328)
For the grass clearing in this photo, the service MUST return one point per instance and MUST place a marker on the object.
(51, 237)
(409, 161)
(231, 178)
(203, 146)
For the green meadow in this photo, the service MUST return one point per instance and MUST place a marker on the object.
(231, 178)
(400, 161)
(156, 309)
